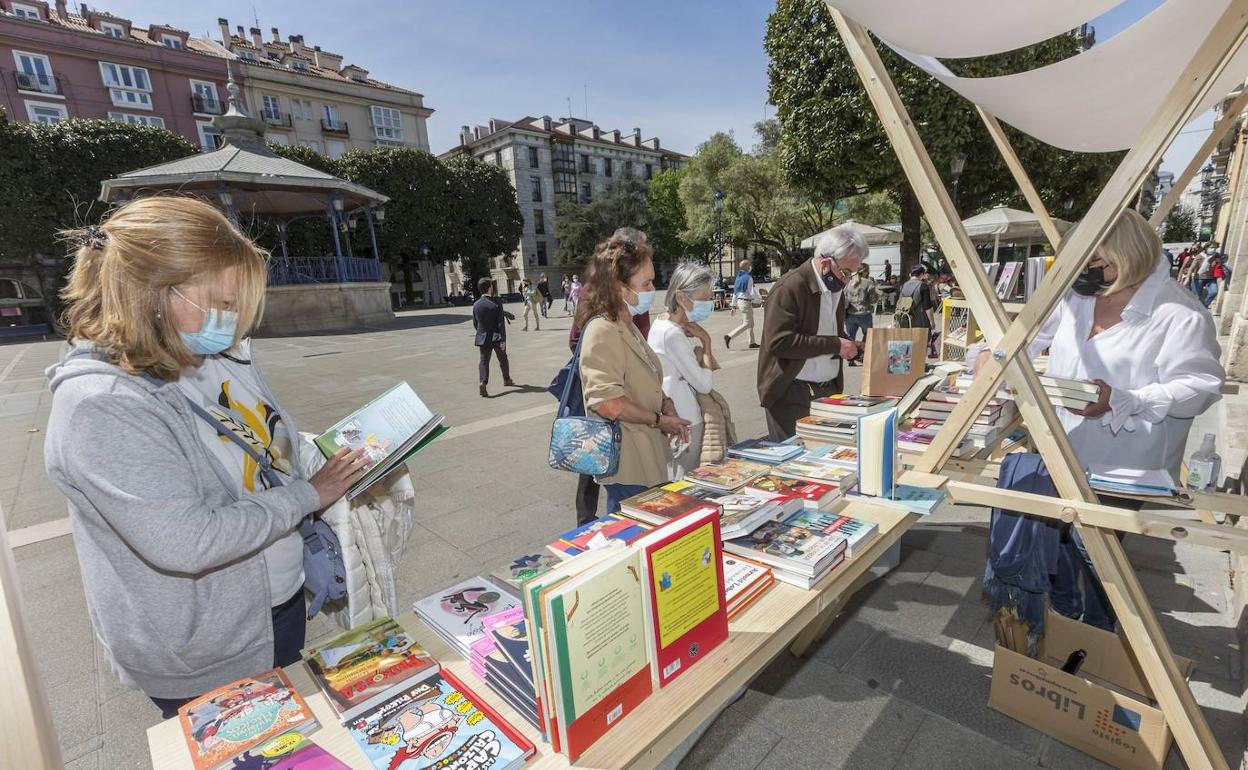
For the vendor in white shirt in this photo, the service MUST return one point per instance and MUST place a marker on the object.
(677, 336)
(1153, 350)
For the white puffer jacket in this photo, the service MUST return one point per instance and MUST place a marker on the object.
(372, 531)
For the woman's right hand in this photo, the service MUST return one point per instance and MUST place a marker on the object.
(672, 425)
(338, 474)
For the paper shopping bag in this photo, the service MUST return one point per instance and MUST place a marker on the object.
(894, 360)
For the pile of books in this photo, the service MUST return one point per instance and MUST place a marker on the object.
(740, 510)
(744, 581)
(500, 659)
(596, 533)
(833, 420)
(1073, 394)
(456, 613)
(935, 409)
(764, 451)
(797, 555)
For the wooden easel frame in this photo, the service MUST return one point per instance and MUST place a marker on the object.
(1009, 340)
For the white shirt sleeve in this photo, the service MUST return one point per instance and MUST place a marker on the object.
(680, 351)
(1044, 338)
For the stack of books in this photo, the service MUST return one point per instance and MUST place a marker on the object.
(597, 533)
(456, 613)
(797, 555)
(845, 406)
(744, 582)
(813, 494)
(741, 511)
(727, 475)
(764, 451)
(858, 533)
(1073, 394)
(659, 505)
(827, 430)
(829, 464)
(940, 402)
(500, 659)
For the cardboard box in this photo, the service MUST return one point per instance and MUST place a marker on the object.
(1105, 710)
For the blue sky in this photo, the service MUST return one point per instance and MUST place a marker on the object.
(679, 70)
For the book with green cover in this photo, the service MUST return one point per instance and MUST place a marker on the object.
(390, 429)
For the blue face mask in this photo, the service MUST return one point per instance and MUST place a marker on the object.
(216, 335)
(701, 310)
(644, 300)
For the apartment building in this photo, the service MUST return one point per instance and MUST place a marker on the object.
(548, 159)
(308, 96)
(56, 64)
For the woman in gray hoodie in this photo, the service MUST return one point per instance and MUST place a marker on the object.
(190, 554)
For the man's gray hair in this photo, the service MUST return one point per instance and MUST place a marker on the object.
(841, 243)
(688, 277)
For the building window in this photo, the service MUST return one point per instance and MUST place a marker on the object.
(330, 113)
(565, 183)
(127, 86)
(541, 253)
(564, 156)
(299, 64)
(113, 30)
(608, 166)
(243, 53)
(335, 148)
(171, 41)
(137, 120)
(587, 165)
(387, 124)
(311, 144)
(271, 107)
(27, 12)
(34, 73)
(498, 158)
(587, 192)
(209, 136)
(536, 183)
(649, 170)
(204, 97)
(533, 162)
(539, 222)
(41, 112)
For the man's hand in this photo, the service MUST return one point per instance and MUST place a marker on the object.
(849, 348)
(1101, 406)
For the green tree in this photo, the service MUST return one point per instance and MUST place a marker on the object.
(668, 223)
(486, 221)
(1180, 225)
(876, 208)
(832, 143)
(579, 227)
(301, 153)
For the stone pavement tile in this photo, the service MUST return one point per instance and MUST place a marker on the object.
(88, 761)
(107, 686)
(125, 722)
(1054, 753)
(827, 718)
(939, 680)
(962, 541)
(943, 745)
(929, 612)
(735, 741)
(429, 563)
(74, 712)
(842, 641)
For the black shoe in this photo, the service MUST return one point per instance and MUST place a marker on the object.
(484, 393)
(509, 384)
(727, 341)
(754, 345)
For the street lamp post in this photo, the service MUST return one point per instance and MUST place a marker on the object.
(719, 236)
(955, 168)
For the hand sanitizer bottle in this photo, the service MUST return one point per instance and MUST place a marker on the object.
(1205, 466)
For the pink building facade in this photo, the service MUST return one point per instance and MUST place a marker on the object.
(57, 64)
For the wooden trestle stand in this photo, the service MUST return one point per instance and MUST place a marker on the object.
(1009, 340)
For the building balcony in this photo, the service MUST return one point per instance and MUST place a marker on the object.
(564, 165)
(276, 118)
(289, 271)
(43, 84)
(206, 106)
(334, 126)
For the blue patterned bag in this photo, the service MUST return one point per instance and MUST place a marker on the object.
(582, 444)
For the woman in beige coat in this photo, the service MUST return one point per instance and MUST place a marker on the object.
(621, 375)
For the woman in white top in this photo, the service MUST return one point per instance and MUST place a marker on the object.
(676, 336)
(1152, 349)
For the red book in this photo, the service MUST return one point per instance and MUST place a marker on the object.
(682, 566)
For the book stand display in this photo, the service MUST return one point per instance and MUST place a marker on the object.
(1077, 503)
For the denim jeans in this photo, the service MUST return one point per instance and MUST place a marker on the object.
(856, 321)
(618, 492)
(290, 628)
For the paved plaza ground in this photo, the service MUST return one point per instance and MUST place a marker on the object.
(901, 681)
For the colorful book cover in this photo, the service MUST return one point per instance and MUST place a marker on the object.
(856, 532)
(356, 667)
(764, 450)
(788, 546)
(727, 474)
(740, 575)
(438, 723)
(229, 720)
(597, 636)
(683, 566)
(847, 404)
(289, 751)
(456, 613)
(527, 566)
(810, 492)
(513, 641)
(877, 453)
(497, 665)
(658, 505)
(601, 530)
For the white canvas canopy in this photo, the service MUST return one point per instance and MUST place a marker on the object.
(1007, 224)
(876, 236)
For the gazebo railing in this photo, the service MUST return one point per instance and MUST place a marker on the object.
(287, 271)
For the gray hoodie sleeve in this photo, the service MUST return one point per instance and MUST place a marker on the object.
(129, 465)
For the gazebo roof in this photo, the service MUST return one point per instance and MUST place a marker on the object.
(258, 181)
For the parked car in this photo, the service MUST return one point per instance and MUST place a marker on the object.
(22, 309)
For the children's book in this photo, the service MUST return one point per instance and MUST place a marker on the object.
(438, 723)
(728, 474)
(788, 547)
(224, 723)
(456, 613)
(355, 669)
(683, 593)
(390, 429)
(856, 532)
(659, 505)
(877, 453)
(524, 567)
(596, 533)
(288, 751)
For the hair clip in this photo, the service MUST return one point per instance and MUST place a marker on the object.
(628, 245)
(94, 237)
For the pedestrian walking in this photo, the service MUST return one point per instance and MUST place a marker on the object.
(803, 346)
(180, 465)
(574, 292)
(532, 304)
(744, 296)
(861, 294)
(566, 286)
(915, 304)
(490, 319)
(543, 288)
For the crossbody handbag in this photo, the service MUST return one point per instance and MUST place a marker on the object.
(325, 572)
(580, 443)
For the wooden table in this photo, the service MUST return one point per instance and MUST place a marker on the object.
(785, 616)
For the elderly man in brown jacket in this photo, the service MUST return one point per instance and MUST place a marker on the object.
(803, 328)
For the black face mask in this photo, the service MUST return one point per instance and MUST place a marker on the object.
(832, 280)
(1091, 282)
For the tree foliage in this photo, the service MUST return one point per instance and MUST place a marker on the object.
(668, 221)
(1180, 225)
(579, 227)
(833, 145)
(487, 221)
(52, 173)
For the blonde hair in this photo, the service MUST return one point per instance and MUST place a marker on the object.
(1133, 247)
(118, 293)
